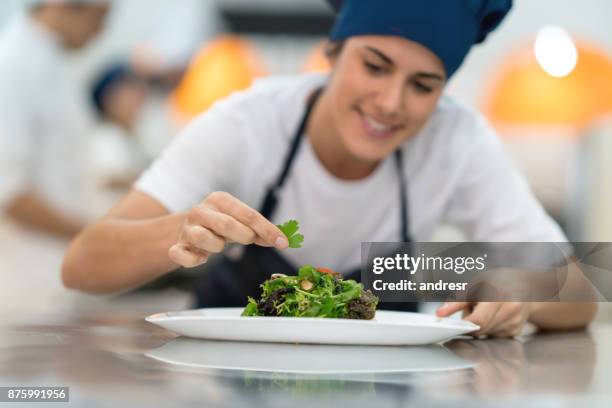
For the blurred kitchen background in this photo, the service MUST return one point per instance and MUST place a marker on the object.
(544, 80)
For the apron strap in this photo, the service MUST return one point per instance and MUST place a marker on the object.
(399, 161)
(270, 200)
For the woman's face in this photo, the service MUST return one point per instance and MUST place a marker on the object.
(382, 91)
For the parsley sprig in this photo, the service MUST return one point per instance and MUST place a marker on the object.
(290, 229)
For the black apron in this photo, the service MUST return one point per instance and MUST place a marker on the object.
(228, 282)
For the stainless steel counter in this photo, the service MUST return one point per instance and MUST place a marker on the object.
(114, 358)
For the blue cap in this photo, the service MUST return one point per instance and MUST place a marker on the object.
(109, 78)
(448, 28)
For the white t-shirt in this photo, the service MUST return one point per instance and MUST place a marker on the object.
(43, 125)
(456, 171)
(113, 156)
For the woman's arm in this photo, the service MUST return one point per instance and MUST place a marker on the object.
(125, 249)
(575, 309)
(139, 241)
(32, 211)
(506, 319)
(493, 203)
(562, 316)
(578, 309)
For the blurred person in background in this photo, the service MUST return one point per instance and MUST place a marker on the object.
(117, 154)
(181, 28)
(42, 130)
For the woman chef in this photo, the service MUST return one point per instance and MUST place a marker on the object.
(372, 152)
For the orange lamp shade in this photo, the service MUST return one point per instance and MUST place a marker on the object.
(225, 65)
(523, 93)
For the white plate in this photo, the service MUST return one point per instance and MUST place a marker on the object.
(306, 358)
(386, 329)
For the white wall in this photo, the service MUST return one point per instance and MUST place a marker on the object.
(134, 20)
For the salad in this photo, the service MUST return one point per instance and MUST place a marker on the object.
(314, 292)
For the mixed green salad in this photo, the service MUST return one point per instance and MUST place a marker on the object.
(314, 292)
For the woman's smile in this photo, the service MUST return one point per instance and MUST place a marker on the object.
(376, 128)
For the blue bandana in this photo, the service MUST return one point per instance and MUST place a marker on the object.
(448, 28)
(113, 75)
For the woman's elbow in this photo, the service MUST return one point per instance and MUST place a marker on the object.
(550, 316)
(75, 278)
(585, 315)
(76, 271)
(589, 313)
(70, 268)
(71, 278)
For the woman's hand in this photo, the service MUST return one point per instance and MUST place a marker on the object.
(499, 319)
(220, 219)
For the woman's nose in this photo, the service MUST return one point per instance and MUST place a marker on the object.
(391, 99)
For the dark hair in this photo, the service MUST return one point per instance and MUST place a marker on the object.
(34, 8)
(106, 81)
(333, 48)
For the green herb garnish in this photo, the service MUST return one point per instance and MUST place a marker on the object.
(313, 293)
(290, 229)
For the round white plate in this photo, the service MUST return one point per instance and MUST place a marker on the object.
(306, 358)
(386, 329)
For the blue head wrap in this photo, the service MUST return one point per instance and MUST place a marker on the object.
(448, 28)
(110, 77)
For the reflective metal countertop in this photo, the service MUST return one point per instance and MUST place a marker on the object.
(114, 358)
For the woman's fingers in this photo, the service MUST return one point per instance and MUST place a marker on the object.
(202, 239)
(221, 225)
(510, 319)
(259, 241)
(484, 316)
(220, 219)
(501, 319)
(186, 257)
(247, 216)
(449, 308)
